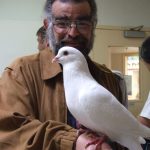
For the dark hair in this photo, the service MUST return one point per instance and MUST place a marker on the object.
(92, 3)
(145, 50)
(41, 32)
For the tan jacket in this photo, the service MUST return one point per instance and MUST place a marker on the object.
(32, 103)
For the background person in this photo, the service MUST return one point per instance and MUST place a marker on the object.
(42, 38)
(144, 116)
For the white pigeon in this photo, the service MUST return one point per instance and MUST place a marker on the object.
(94, 106)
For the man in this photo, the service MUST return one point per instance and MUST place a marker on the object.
(42, 38)
(33, 112)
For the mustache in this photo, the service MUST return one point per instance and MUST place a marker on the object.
(81, 41)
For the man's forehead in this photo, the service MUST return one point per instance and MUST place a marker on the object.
(69, 9)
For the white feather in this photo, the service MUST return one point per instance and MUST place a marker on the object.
(94, 106)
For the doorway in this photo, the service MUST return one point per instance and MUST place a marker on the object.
(126, 61)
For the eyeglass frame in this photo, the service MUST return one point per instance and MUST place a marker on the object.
(80, 24)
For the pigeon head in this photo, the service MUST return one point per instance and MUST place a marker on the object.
(68, 54)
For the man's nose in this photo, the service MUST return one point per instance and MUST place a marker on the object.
(73, 31)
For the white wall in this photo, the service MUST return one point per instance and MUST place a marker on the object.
(19, 22)
(18, 38)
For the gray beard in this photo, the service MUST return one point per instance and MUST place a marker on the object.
(52, 40)
(56, 45)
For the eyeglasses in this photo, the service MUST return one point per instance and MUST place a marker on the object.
(63, 26)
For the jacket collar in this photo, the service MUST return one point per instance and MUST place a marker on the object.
(48, 69)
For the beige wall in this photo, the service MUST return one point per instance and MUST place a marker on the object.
(110, 36)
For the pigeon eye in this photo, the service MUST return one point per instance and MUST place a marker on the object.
(66, 53)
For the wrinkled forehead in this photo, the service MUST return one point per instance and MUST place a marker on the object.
(71, 9)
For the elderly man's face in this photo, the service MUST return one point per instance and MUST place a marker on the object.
(71, 26)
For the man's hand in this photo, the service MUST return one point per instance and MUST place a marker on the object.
(86, 138)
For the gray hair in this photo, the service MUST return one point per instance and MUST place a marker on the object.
(92, 3)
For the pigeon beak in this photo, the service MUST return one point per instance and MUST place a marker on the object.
(55, 59)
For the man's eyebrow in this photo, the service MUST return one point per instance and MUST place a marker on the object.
(85, 17)
(61, 17)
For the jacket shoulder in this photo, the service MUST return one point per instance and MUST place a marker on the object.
(24, 60)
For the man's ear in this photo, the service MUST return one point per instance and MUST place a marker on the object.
(45, 22)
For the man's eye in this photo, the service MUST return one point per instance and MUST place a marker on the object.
(61, 24)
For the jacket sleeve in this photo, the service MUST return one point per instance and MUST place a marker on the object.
(19, 128)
